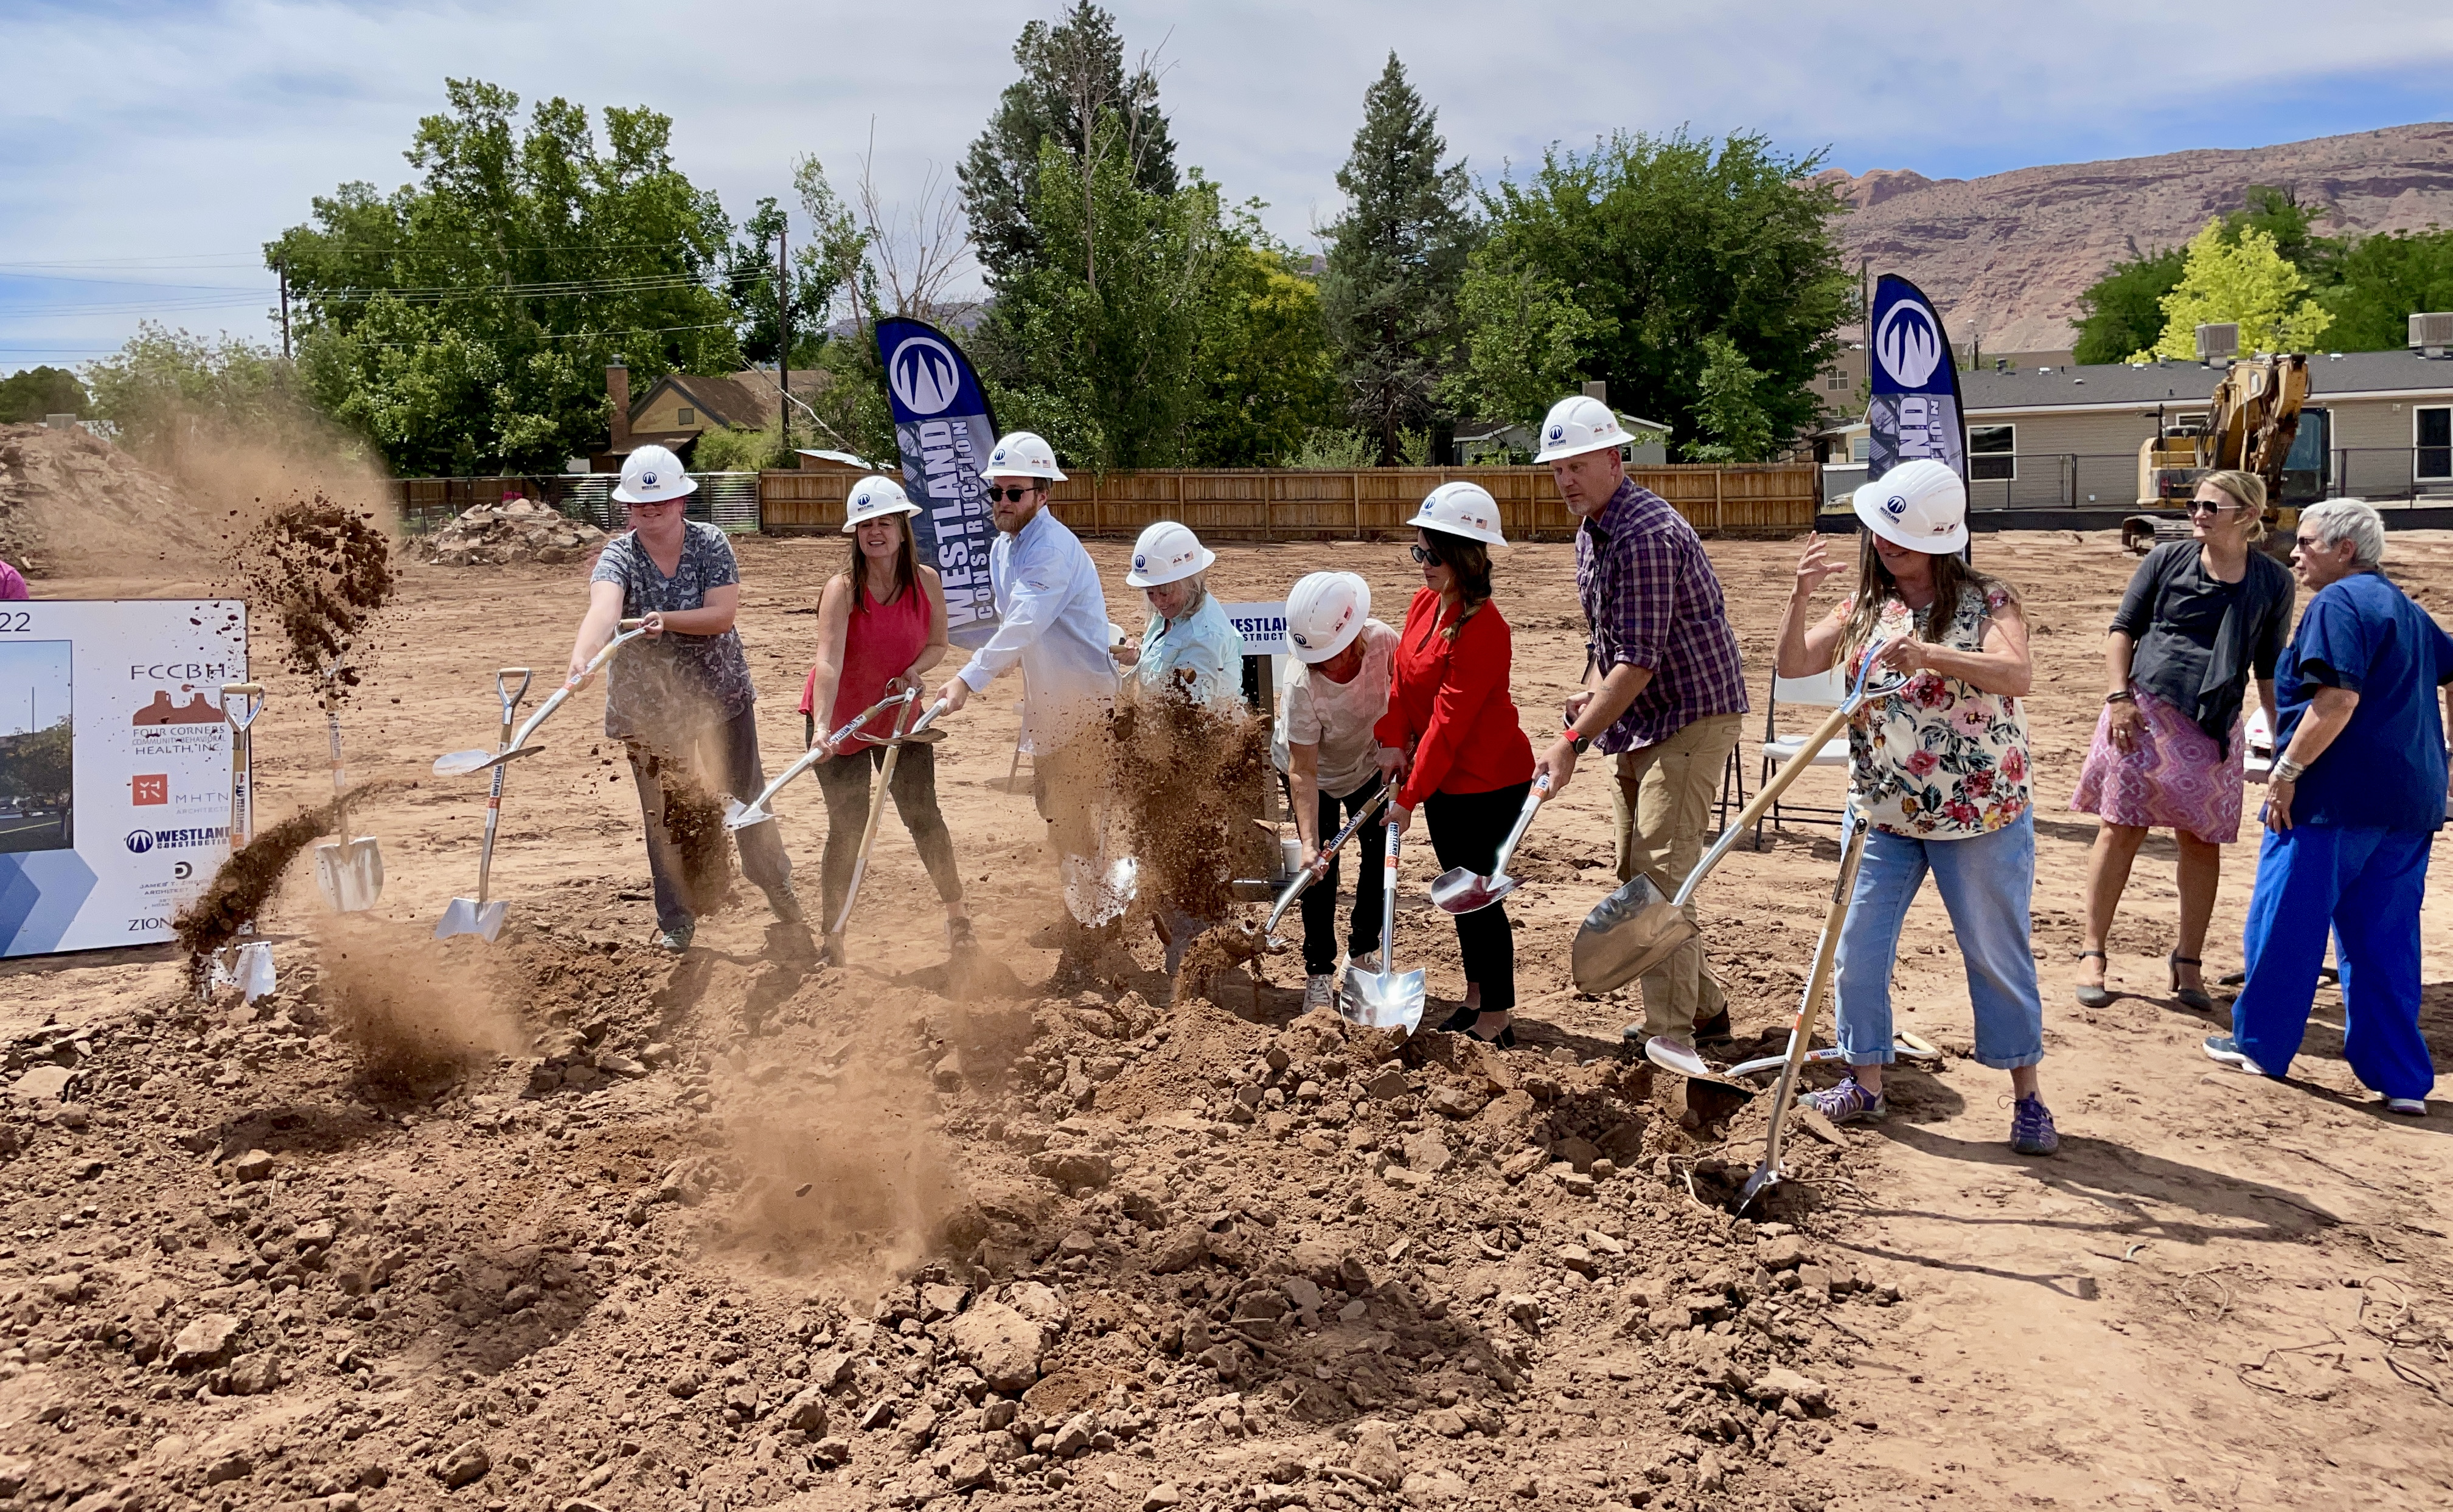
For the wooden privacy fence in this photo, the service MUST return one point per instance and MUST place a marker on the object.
(1271, 503)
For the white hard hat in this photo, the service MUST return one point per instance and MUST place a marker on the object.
(1167, 553)
(652, 475)
(1324, 613)
(1580, 425)
(1462, 509)
(1921, 505)
(1022, 454)
(875, 497)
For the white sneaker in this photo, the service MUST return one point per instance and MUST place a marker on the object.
(1369, 964)
(1319, 992)
(2407, 1106)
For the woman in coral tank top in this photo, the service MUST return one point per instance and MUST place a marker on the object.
(880, 624)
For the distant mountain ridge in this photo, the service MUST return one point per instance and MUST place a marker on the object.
(2006, 255)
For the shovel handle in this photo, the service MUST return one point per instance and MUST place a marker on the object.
(511, 696)
(1533, 802)
(1319, 866)
(1389, 904)
(1801, 1029)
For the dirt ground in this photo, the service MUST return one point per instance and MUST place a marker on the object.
(560, 1223)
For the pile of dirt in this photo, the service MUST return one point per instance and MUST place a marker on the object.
(514, 530)
(71, 505)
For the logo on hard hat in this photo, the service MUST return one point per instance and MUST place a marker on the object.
(1909, 342)
(998, 455)
(1558, 432)
(1895, 506)
(1140, 563)
(923, 375)
(648, 479)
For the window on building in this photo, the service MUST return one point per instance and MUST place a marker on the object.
(1836, 383)
(685, 416)
(2431, 433)
(1861, 449)
(1993, 451)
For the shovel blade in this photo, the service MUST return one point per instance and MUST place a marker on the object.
(469, 916)
(1383, 1000)
(352, 876)
(1766, 1176)
(1093, 895)
(467, 762)
(738, 815)
(1627, 934)
(1457, 891)
(1671, 1056)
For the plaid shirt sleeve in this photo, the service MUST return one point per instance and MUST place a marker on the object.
(1645, 592)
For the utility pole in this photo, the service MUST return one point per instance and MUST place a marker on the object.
(784, 333)
(283, 269)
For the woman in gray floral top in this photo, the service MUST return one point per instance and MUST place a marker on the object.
(680, 700)
(1940, 775)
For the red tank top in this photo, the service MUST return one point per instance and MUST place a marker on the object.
(877, 647)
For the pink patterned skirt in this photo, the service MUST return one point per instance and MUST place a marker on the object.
(2171, 778)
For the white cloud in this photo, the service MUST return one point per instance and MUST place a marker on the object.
(149, 130)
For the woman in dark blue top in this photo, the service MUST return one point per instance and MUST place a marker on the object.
(2357, 795)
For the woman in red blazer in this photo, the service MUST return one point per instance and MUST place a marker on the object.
(1450, 744)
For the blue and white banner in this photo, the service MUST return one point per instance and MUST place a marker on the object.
(114, 765)
(1914, 408)
(945, 430)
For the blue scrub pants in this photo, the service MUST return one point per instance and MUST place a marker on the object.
(2366, 884)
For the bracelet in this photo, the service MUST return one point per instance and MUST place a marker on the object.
(2285, 770)
(2124, 696)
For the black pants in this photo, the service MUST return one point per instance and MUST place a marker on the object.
(845, 781)
(1466, 831)
(1319, 900)
(726, 761)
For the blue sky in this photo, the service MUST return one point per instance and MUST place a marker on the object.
(156, 146)
(33, 685)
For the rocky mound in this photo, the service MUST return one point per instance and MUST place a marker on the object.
(73, 505)
(514, 530)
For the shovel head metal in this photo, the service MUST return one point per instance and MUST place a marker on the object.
(352, 876)
(1629, 933)
(465, 762)
(469, 916)
(1094, 895)
(1671, 1056)
(1457, 891)
(1379, 999)
(738, 815)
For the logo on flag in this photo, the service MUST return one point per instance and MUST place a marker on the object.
(1909, 342)
(924, 375)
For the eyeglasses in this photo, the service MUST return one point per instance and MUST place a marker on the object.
(1013, 496)
(2210, 507)
(1424, 555)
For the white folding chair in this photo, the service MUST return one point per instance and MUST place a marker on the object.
(1817, 690)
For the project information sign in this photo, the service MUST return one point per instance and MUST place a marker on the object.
(114, 765)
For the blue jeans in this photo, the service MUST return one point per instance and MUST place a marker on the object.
(2366, 884)
(1986, 882)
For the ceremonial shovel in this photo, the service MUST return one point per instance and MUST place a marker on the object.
(738, 815)
(465, 762)
(1391, 999)
(247, 967)
(1457, 891)
(349, 873)
(1671, 1056)
(1635, 929)
(1306, 876)
(476, 915)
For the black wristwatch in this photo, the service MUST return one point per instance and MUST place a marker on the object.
(1576, 743)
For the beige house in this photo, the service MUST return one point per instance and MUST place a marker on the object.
(677, 408)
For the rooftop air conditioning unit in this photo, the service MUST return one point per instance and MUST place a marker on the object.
(2218, 341)
(2431, 334)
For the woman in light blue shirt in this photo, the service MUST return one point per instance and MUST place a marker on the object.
(1189, 643)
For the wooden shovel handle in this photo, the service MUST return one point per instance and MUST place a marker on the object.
(1791, 769)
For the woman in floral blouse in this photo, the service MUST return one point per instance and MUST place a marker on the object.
(1938, 772)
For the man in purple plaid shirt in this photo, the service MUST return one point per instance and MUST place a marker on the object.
(1663, 688)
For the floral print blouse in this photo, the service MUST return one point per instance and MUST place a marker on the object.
(1938, 760)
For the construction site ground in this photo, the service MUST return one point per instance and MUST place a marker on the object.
(561, 1222)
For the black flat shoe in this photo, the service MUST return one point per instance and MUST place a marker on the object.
(1460, 1022)
(2090, 995)
(1715, 1028)
(2187, 997)
(1505, 1039)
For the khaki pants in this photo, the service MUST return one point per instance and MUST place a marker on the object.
(1663, 802)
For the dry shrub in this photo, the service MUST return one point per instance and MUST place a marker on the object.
(416, 1011)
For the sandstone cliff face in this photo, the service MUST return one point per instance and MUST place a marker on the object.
(2006, 257)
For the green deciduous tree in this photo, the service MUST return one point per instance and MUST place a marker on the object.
(1263, 371)
(167, 387)
(1526, 340)
(2385, 280)
(464, 320)
(2245, 280)
(35, 392)
(1728, 408)
(1396, 260)
(1666, 240)
(2125, 308)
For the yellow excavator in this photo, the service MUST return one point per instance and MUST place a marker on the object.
(2259, 421)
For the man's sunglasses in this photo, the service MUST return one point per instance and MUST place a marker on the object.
(1013, 496)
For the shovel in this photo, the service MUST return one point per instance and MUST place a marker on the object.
(349, 873)
(1457, 891)
(1801, 1029)
(1390, 998)
(475, 915)
(1635, 929)
(738, 815)
(1306, 876)
(465, 762)
(1671, 1056)
(877, 811)
(247, 967)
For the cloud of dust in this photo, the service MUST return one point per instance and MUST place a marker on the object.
(417, 1012)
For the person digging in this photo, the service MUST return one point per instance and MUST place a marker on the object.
(1052, 623)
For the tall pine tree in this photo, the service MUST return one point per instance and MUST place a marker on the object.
(1396, 260)
(1072, 75)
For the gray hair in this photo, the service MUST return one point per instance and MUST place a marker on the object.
(2353, 519)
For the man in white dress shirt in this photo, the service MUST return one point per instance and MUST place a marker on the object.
(1052, 623)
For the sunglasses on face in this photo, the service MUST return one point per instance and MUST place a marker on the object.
(1016, 495)
(2205, 506)
(1424, 555)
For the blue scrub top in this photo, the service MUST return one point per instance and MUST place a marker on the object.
(2386, 768)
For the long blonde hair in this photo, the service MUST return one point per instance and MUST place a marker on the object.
(1953, 578)
(2248, 490)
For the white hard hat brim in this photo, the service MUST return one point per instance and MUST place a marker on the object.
(1490, 538)
(657, 495)
(1141, 580)
(1051, 476)
(1565, 450)
(1874, 520)
(1313, 656)
(887, 512)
